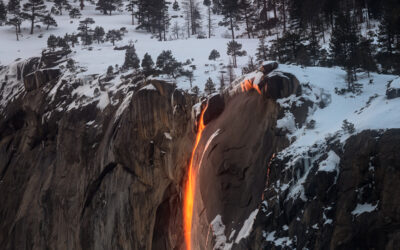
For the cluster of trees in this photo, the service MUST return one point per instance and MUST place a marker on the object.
(165, 64)
(35, 12)
(307, 24)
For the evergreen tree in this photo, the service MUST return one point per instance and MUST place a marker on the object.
(230, 10)
(153, 17)
(113, 36)
(52, 42)
(175, 6)
(110, 70)
(60, 4)
(193, 16)
(234, 50)
(130, 7)
(16, 22)
(85, 31)
(214, 55)
(209, 87)
(131, 58)
(262, 50)
(365, 49)
(196, 90)
(74, 13)
(168, 64)
(3, 13)
(343, 45)
(210, 25)
(62, 43)
(221, 82)
(14, 7)
(147, 65)
(107, 6)
(48, 20)
(71, 65)
(98, 34)
(34, 10)
(247, 11)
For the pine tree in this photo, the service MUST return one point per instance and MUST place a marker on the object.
(214, 55)
(52, 42)
(108, 6)
(196, 90)
(230, 10)
(131, 58)
(85, 31)
(14, 9)
(113, 36)
(234, 50)
(3, 13)
(60, 4)
(98, 34)
(74, 13)
(343, 45)
(130, 7)
(367, 60)
(110, 70)
(247, 11)
(262, 50)
(62, 43)
(168, 64)
(16, 22)
(34, 10)
(221, 82)
(210, 25)
(175, 6)
(192, 12)
(48, 20)
(147, 65)
(209, 87)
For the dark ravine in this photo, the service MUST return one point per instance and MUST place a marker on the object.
(113, 179)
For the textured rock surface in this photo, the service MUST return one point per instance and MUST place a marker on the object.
(93, 179)
(354, 207)
(105, 168)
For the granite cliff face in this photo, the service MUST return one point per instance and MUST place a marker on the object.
(106, 168)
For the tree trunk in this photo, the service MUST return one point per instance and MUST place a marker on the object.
(209, 22)
(233, 32)
(246, 18)
(284, 15)
(82, 4)
(16, 32)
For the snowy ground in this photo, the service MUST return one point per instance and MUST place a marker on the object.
(102, 55)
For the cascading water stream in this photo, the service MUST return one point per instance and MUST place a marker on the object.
(190, 184)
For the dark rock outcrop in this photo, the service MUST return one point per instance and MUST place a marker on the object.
(353, 207)
(393, 91)
(40, 78)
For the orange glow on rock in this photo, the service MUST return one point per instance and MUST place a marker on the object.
(190, 187)
(248, 85)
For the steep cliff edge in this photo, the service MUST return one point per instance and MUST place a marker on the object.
(101, 162)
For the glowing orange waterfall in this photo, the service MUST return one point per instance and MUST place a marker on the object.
(190, 188)
(248, 85)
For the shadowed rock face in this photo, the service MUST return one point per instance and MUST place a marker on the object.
(92, 179)
(354, 207)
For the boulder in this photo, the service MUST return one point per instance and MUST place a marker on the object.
(393, 89)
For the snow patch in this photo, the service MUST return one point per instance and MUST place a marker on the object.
(331, 163)
(247, 226)
(364, 208)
